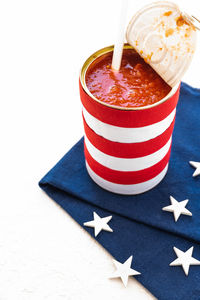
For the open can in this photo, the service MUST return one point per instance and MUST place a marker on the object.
(127, 150)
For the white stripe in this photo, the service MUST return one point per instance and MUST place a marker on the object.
(130, 189)
(128, 135)
(127, 164)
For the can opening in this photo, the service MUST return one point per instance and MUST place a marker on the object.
(98, 54)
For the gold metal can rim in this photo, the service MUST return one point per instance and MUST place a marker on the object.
(97, 54)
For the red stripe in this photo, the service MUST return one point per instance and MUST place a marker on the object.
(126, 177)
(128, 150)
(128, 118)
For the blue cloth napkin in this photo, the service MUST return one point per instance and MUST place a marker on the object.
(140, 227)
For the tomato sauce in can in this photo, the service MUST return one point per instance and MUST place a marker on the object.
(136, 84)
(127, 148)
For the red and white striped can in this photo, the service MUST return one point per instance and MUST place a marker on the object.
(127, 150)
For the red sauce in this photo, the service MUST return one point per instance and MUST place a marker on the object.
(135, 85)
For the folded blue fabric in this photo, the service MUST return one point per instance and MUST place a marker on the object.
(140, 227)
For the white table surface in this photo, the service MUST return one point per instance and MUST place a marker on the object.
(44, 254)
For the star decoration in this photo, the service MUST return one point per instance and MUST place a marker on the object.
(197, 166)
(177, 208)
(185, 259)
(99, 224)
(124, 270)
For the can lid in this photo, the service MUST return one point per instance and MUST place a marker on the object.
(165, 37)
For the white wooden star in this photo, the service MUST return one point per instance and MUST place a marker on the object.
(124, 270)
(99, 224)
(197, 166)
(177, 208)
(185, 259)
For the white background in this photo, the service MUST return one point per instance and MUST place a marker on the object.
(44, 254)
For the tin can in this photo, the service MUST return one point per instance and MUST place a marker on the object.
(127, 150)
